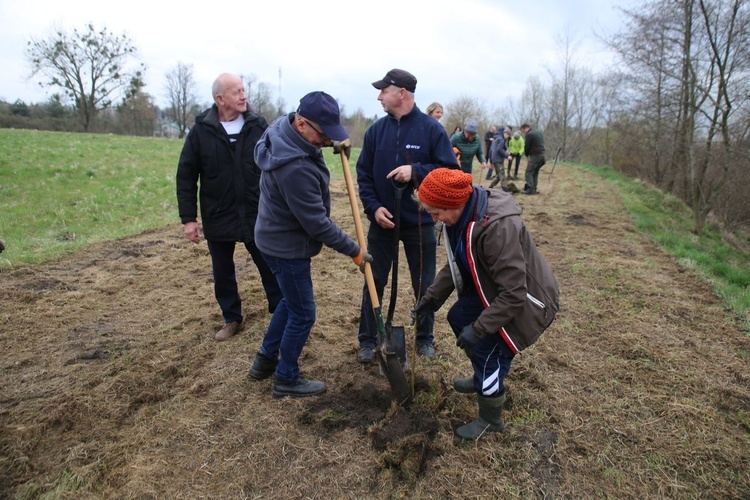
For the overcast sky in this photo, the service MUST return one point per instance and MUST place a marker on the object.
(478, 48)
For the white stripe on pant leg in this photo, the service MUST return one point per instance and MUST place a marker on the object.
(491, 384)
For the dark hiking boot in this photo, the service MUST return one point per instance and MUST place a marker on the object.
(426, 351)
(366, 355)
(489, 419)
(464, 385)
(229, 331)
(300, 388)
(263, 367)
(528, 191)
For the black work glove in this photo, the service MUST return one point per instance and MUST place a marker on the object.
(345, 146)
(424, 306)
(468, 339)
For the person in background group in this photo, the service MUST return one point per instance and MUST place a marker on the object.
(403, 147)
(456, 130)
(507, 294)
(218, 155)
(293, 225)
(489, 136)
(435, 110)
(534, 151)
(498, 154)
(469, 146)
(515, 150)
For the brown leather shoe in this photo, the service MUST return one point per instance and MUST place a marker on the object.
(229, 331)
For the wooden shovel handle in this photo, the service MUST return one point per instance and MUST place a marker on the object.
(360, 232)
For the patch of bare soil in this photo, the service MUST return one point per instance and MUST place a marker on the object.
(112, 384)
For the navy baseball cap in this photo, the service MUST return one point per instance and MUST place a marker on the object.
(399, 78)
(323, 109)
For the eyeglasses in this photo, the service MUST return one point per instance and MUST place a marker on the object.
(324, 138)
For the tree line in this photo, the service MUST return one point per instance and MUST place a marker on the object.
(673, 111)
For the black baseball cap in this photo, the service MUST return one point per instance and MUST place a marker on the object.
(399, 78)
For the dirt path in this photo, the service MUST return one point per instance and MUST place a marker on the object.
(113, 386)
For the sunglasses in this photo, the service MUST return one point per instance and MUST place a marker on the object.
(323, 137)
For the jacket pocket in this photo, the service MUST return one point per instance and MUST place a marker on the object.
(545, 314)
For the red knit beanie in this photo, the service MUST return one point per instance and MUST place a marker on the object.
(445, 188)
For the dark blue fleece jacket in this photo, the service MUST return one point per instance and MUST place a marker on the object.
(295, 201)
(417, 140)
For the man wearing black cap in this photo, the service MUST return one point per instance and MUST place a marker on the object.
(218, 156)
(293, 225)
(402, 147)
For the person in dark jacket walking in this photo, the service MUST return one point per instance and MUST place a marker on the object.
(489, 138)
(294, 222)
(507, 294)
(534, 152)
(498, 154)
(403, 146)
(218, 156)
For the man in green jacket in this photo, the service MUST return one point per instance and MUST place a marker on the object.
(515, 150)
(534, 151)
(469, 146)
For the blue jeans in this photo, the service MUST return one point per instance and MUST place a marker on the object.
(491, 357)
(294, 317)
(225, 278)
(380, 246)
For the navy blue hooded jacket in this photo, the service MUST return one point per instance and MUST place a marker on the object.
(417, 140)
(295, 201)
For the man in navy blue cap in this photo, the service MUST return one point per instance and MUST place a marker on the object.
(293, 225)
(403, 146)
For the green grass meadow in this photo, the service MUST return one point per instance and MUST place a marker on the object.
(61, 191)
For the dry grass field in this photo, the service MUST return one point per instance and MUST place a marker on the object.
(112, 384)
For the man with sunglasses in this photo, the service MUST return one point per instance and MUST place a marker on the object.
(403, 146)
(293, 225)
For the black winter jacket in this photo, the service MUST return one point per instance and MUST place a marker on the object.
(228, 177)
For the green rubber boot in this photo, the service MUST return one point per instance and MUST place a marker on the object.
(464, 385)
(489, 419)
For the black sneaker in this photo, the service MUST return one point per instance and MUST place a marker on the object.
(263, 367)
(300, 388)
(366, 355)
(426, 351)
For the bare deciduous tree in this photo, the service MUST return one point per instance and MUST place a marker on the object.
(461, 109)
(181, 93)
(91, 66)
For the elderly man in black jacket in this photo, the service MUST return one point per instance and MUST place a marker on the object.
(218, 155)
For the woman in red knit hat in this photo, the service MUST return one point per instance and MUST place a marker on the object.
(507, 294)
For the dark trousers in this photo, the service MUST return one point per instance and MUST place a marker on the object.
(380, 246)
(510, 163)
(491, 357)
(536, 162)
(225, 279)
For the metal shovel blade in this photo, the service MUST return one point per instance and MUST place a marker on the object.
(396, 343)
(391, 367)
